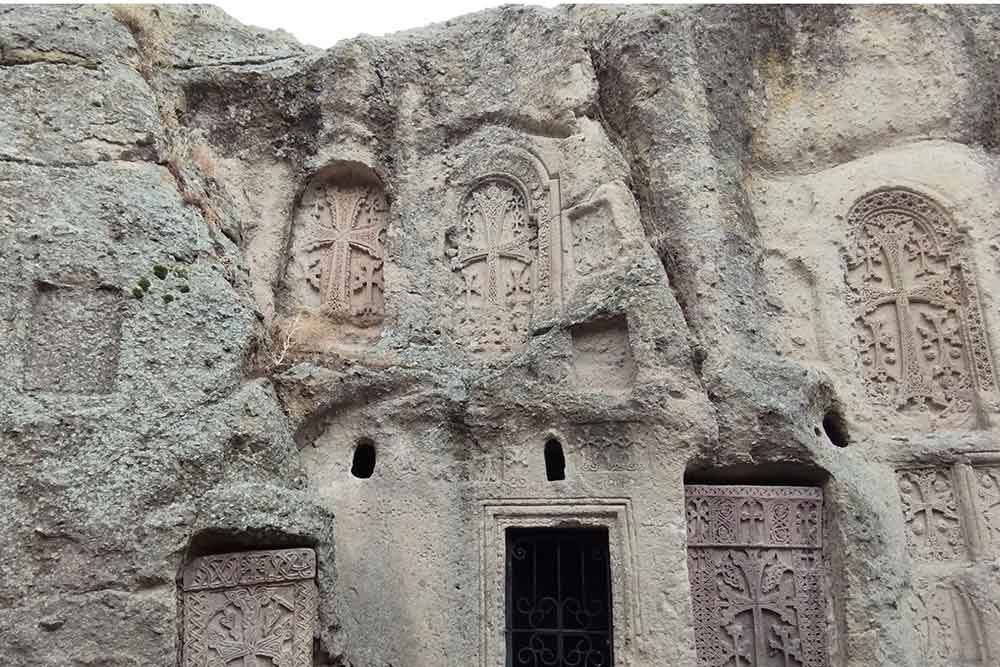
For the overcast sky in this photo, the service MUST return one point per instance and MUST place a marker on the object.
(325, 24)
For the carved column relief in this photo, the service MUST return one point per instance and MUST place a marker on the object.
(336, 266)
(920, 331)
(755, 566)
(250, 609)
(502, 250)
(987, 499)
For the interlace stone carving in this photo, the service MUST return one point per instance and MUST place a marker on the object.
(754, 562)
(931, 514)
(947, 627)
(250, 609)
(920, 330)
(339, 249)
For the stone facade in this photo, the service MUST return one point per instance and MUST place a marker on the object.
(301, 347)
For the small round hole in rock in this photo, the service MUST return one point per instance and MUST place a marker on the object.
(836, 428)
(364, 459)
(555, 461)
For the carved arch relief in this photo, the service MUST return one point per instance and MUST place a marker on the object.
(504, 250)
(920, 331)
(336, 263)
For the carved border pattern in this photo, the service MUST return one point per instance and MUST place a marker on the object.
(613, 514)
(251, 567)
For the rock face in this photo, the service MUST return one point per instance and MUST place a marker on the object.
(709, 294)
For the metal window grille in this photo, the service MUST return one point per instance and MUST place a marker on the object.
(558, 598)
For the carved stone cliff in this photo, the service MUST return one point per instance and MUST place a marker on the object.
(357, 311)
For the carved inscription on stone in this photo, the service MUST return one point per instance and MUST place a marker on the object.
(336, 267)
(920, 330)
(947, 627)
(602, 356)
(73, 341)
(607, 447)
(590, 227)
(931, 513)
(501, 250)
(251, 608)
(754, 562)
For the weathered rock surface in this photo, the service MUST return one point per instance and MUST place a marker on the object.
(691, 307)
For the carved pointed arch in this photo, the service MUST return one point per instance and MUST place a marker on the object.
(504, 247)
(920, 332)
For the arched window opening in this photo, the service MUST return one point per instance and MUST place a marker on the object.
(364, 459)
(555, 461)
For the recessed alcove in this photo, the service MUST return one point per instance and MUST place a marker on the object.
(760, 474)
(363, 465)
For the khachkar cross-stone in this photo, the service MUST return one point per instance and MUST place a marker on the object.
(250, 609)
(919, 327)
(755, 571)
(495, 253)
(347, 226)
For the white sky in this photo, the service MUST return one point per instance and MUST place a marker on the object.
(324, 24)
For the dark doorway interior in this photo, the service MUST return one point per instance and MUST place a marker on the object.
(558, 598)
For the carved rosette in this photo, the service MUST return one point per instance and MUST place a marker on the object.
(754, 562)
(501, 250)
(919, 329)
(250, 608)
(337, 249)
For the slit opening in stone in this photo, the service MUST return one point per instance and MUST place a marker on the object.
(835, 428)
(363, 465)
(555, 461)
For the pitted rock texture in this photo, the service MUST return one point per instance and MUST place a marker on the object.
(625, 230)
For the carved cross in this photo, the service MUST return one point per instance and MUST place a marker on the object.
(355, 221)
(930, 504)
(502, 213)
(895, 236)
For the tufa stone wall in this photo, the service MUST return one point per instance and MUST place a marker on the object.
(298, 344)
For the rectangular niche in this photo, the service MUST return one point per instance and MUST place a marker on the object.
(602, 355)
(505, 519)
(756, 572)
(73, 340)
(250, 608)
